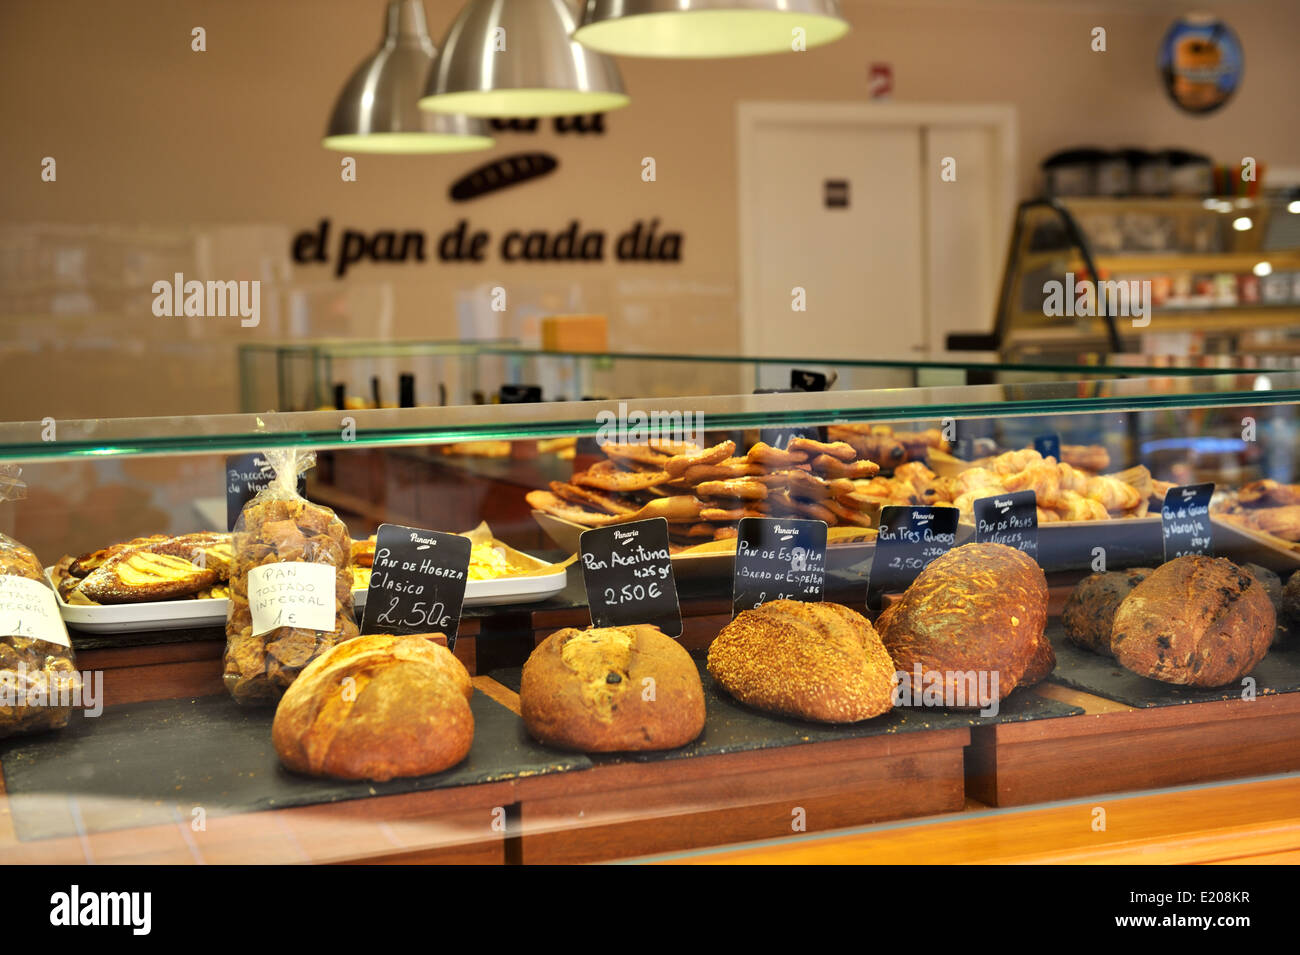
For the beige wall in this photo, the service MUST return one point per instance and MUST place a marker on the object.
(147, 132)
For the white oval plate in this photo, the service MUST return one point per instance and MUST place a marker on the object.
(182, 614)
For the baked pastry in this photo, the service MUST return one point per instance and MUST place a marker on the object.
(815, 661)
(39, 678)
(978, 608)
(258, 667)
(152, 568)
(1195, 621)
(404, 713)
(1089, 611)
(611, 689)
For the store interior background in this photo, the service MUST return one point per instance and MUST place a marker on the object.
(169, 158)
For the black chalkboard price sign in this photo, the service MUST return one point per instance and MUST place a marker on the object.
(629, 576)
(417, 583)
(1185, 520)
(778, 559)
(1049, 446)
(1010, 519)
(909, 539)
(246, 475)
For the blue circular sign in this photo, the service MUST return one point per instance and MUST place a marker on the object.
(1201, 62)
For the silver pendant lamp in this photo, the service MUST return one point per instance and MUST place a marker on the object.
(517, 58)
(377, 111)
(708, 28)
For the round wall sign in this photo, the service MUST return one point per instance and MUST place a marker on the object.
(1201, 62)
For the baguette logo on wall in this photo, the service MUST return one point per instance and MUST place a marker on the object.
(502, 174)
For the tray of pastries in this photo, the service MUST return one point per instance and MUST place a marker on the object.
(166, 582)
(704, 493)
(1260, 523)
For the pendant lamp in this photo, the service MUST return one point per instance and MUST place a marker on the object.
(517, 58)
(377, 111)
(708, 28)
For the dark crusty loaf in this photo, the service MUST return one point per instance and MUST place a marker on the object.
(376, 707)
(816, 661)
(1271, 581)
(979, 607)
(1090, 610)
(1291, 602)
(1196, 621)
(611, 689)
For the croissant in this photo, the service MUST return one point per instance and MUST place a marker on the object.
(1076, 507)
(1042, 478)
(1113, 493)
(1073, 479)
(1012, 462)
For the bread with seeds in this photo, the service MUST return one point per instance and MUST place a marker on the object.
(815, 661)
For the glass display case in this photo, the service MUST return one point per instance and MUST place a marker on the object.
(1186, 276)
(159, 763)
(305, 376)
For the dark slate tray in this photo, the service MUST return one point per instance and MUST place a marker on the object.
(732, 727)
(1080, 669)
(144, 764)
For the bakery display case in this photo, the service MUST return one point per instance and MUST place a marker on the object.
(311, 375)
(282, 692)
(1188, 276)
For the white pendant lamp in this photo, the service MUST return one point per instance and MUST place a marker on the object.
(708, 28)
(377, 111)
(517, 58)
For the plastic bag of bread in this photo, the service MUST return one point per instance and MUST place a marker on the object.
(290, 587)
(39, 682)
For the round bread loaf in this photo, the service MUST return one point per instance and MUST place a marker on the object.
(1196, 621)
(1089, 611)
(816, 661)
(979, 608)
(376, 707)
(611, 689)
(1291, 601)
(1272, 584)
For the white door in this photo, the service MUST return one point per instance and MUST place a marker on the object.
(965, 225)
(849, 202)
(834, 212)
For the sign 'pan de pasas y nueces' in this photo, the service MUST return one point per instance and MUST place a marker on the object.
(642, 242)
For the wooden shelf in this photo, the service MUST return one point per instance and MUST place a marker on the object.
(1112, 265)
(1248, 822)
(1114, 748)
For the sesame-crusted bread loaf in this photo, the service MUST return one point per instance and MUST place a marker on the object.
(815, 661)
(980, 607)
(612, 689)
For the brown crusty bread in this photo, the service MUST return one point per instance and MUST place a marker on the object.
(1089, 611)
(611, 689)
(815, 661)
(1196, 621)
(405, 711)
(979, 607)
